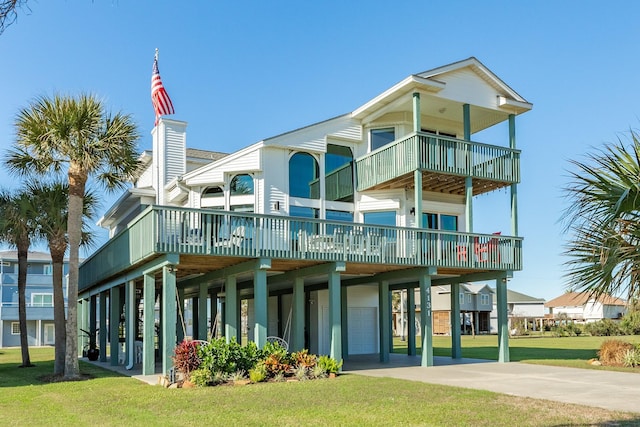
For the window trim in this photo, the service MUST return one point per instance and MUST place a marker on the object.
(15, 328)
(384, 128)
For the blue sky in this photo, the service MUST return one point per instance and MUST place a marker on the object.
(240, 71)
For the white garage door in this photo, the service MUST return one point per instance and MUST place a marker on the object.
(363, 330)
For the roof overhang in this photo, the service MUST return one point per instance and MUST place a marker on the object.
(129, 200)
(410, 84)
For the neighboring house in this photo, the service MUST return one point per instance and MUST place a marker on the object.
(475, 305)
(580, 307)
(524, 307)
(39, 298)
(316, 226)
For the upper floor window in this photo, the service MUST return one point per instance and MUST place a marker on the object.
(484, 299)
(42, 300)
(461, 298)
(48, 269)
(303, 171)
(434, 221)
(241, 185)
(381, 137)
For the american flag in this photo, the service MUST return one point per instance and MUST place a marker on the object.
(159, 97)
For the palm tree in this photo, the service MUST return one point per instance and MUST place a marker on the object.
(18, 228)
(77, 136)
(52, 217)
(604, 220)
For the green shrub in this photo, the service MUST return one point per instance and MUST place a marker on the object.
(218, 356)
(612, 352)
(201, 377)
(631, 357)
(604, 328)
(318, 372)
(630, 323)
(303, 358)
(258, 373)
(329, 365)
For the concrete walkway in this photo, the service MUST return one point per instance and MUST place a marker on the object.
(605, 389)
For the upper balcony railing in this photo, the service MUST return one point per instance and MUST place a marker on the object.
(161, 229)
(338, 184)
(440, 154)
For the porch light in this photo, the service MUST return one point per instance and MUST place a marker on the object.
(412, 211)
(276, 206)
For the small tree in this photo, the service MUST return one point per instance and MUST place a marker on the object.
(17, 228)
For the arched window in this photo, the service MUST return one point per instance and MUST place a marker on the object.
(303, 176)
(241, 185)
(212, 192)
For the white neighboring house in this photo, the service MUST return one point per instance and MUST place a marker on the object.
(580, 307)
(520, 306)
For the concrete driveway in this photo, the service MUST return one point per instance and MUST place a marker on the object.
(605, 389)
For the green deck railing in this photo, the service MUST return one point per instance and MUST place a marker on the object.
(435, 153)
(338, 184)
(161, 229)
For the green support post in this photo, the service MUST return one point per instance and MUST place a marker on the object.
(114, 324)
(195, 317)
(230, 308)
(514, 187)
(202, 311)
(213, 304)
(83, 323)
(344, 314)
(103, 327)
(426, 320)
(93, 321)
(130, 322)
(169, 317)
(503, 326)
(456, 346)
(383, 295)
(417, 182)
(148, 333)
(466, 121)
(260, 303)
(298, 314)
(180, 321)
(411, 322)
(417, 117)
(335, 311)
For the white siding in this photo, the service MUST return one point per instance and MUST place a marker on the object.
(466, 86)
(249, 162)
(313, 138)
(145, 179)
(276, 179)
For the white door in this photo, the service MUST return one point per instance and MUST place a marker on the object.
(363, 330)
(49, 334)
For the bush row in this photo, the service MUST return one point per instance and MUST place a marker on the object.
(217, 362)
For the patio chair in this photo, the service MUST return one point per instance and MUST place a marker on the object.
(235, 239)
(279, 341)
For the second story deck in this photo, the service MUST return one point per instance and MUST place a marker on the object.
(209, 240)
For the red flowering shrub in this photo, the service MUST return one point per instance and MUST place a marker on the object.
(186, 357)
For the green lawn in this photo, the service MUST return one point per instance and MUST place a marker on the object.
(566, 351)
(109, 399)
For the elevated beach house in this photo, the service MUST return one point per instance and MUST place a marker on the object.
(314, 228)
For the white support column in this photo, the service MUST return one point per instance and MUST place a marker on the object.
(39, 333)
